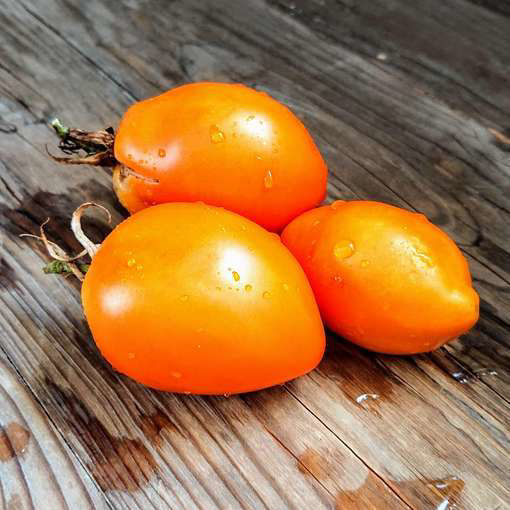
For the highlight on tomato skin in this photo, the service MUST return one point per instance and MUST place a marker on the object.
(224, 144)
(191, 298)
(384, 278)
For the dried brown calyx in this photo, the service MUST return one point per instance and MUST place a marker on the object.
(61, 262)
(84, 147)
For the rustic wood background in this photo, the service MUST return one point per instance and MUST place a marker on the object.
(410, 104)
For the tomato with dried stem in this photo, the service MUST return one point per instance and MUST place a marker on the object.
(193, 298)
(224, 144)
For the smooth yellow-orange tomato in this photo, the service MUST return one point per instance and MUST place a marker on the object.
(192, 298)
(384, 278)
(224, 144)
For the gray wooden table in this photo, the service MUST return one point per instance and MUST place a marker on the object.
(410, 104)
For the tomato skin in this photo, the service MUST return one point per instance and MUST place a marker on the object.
(191, 298)
(384, 278)
(224, 144)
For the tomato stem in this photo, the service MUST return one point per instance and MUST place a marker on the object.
(61, 262)
(87, 244)
(97, 146)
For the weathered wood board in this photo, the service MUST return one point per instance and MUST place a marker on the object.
(410, 104)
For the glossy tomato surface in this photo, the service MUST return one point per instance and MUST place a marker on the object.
(385, 278)
(223, 144)
(191, 298)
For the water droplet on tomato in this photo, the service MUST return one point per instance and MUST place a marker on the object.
(316, 223)
(250, 118)
(285, 286)
(338, 279)
(268, 180)
(217, 136)
(161, 153)
(131, 355)
(365, 263)
(131, 262)
(343, 249)
(236, 276)
(177, 375)
(139, 267)
(184, 297)
(248, 287)
(266, 295)
(258, 156)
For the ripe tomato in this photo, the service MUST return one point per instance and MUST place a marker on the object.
(385, 278)
(191, 298)
(224, 144)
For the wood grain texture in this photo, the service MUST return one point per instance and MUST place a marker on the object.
(37, 469)
(402, 98)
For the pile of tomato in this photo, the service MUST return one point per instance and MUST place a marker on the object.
(197, 292)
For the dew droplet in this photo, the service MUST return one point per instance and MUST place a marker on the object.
(223, 229)
(343, 249)
(285, 286)
(268, 180)
(177, 375)
(139, 267)
(366, 396)
(131, 262)
(461, 377)
(266, 295)
(338, 279)
(248, 287)
(236, 276)
(161, 153)
(131, 355)
(217, 136)
(485, 371)
(250, 118)
(316, 223)
(365, 263)
(243, 228)
(258, 156)
(184, 298)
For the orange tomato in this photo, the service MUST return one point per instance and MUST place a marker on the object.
(384, 278)
(223, 144)
(191, 298)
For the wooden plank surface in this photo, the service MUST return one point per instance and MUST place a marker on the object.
(409, 103)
